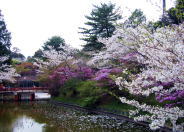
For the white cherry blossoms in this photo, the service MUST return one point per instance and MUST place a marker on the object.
(162, 54)
(114, 50)
(7, 73)
(54, 58)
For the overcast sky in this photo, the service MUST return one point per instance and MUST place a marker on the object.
(32, 22)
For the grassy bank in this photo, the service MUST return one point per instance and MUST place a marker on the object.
(112, 105)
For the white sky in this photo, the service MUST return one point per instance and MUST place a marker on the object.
(32, 22)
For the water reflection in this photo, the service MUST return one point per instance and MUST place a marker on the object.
(45, 117)
(27, 124)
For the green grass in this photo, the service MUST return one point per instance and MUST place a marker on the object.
(117, 105)
(69, 100)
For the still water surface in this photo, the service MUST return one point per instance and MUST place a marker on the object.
(45, 117)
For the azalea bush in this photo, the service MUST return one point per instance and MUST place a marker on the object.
(65, 73)
(172, 99)
(104, 77)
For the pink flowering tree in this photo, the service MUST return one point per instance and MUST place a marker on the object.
(162, 54)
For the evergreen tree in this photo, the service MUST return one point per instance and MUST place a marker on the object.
(55, 42)
(101, 23)
(137, 17)
(38, 54)
(30, 59)
(4, 38)
(174, 15)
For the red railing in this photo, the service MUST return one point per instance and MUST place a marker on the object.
(24, 88)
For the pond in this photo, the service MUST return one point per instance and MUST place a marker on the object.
(45, 117)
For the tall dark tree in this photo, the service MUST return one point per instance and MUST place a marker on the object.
(4, 38)
(56, 42)
(164, 6)
(30, 59)
(38, 54)
(101, 23)
(137, 17)
(174, 15)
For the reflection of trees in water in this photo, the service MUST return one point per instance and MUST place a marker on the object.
(53, 118)
(18, 123)
(26, 123)
(18, 115)
(7, 118)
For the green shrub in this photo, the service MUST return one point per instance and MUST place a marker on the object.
(69, 88)
(88, 89)
(90, 102)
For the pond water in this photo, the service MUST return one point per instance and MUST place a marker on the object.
(45, 117)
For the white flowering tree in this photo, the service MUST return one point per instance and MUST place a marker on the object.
(124, 42)
(162, 54)
(114, 50)
(54, 58)
(7, 72)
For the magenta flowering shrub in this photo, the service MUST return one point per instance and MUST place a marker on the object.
(85, 72)
(175, 98)
(103, 76)
(129, 57)
(63, 74)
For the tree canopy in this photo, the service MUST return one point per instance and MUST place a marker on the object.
(101, 23)
(4, 38)
(15, 54)
(174, 15)
(55, 42)
(137, 17)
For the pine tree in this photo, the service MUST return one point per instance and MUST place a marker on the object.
(176, 14)
(4, 38)
(137, 17)
(55, 42)
(102, 24)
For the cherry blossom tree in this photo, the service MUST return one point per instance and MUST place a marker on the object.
(54, 58)
(114, 50)
(162, 53)
(7, 72)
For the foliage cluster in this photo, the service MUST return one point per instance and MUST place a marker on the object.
(26, 68)
(101, 23)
